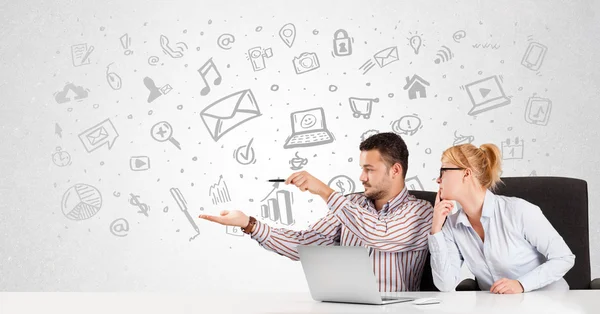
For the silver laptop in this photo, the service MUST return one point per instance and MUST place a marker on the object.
(342, 274)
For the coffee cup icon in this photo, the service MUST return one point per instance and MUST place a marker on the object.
(298, 162)
(461, 139)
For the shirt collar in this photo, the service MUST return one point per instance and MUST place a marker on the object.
(489, 205)
(391, 204)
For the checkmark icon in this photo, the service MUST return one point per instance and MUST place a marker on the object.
(245, 154)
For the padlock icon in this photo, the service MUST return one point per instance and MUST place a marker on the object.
(342, 45)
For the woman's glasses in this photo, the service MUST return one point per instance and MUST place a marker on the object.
(445, 169)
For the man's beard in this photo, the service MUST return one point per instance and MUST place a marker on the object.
(374, 194)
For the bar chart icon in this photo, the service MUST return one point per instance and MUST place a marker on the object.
(279, 208)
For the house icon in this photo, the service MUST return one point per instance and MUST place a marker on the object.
(416, 85)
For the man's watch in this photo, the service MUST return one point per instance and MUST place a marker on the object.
(250, 226)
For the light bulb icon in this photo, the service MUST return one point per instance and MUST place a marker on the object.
(415, 43)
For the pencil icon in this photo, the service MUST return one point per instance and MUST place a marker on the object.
(87, 54)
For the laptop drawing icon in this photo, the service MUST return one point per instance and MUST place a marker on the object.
(308, 129)
(486, 94)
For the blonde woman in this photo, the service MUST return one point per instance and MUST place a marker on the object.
(506, 242)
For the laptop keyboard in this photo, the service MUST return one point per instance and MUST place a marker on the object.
(309, 138)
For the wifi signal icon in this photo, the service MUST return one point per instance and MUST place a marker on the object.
(443, 55)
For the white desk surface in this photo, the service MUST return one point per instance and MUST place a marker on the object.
(574, 301)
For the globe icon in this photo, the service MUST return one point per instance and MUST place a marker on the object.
(81, 202)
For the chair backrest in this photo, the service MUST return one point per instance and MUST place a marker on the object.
(564, 202)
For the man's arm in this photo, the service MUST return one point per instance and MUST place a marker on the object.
(284, 242)
(405, 231)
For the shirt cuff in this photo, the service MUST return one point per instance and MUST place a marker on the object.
(437, 243)
(528, 281)
(261, 232)
(335, 202)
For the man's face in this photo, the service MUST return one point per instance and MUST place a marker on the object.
(375, 176)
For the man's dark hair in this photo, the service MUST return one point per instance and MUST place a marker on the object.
(391, 147)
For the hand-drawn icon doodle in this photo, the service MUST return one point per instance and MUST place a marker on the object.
(225, 41)
(219, 192)
(368, 134)
(306, 62)
(416, 86)
(486, 94)
(362, 106)
(182, 203)
(176, 52)
(80, 54)
(308, 129)
(443, 55)
(414, 184)
(538, 110)
(257, 57)
(155, 92)
(204, 70)
(462, 139)
(162, 132)
(81, 201)
(342, 184)
(415, 42)
(113, 79)
(57, 130)
(139, 163)
(534, 56)
(229, 112)
(245, 154)
(458, 35)
(287, 33)
(79, 91)
(408, 125)
(98, 135)
(119, 227)
(512, 150)
(342, 43)
(234, 231)
(143, 207)
(126, 43)
(298, 162)
(153, 60)
(382, 58)
(61, 158)
(279, 208)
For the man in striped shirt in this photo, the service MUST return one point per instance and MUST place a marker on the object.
(393, 224)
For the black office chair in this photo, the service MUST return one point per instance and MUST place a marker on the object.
(564, 201)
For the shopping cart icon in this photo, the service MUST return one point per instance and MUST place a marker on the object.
(362, 106)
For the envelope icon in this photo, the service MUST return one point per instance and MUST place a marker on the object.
(97, 135)
(229, 112)
(386, 56)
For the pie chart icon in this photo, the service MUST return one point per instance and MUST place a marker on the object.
(81, 202)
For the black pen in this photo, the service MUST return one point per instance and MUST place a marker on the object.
(276, 180)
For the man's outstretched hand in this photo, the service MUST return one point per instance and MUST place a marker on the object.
(234, 218)
(306, 182)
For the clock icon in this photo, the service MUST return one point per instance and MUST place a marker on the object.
(61, 158)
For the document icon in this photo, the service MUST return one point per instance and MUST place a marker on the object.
(98, 135)
(229, 112)
(80, 54)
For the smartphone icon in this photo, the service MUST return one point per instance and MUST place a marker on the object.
(534, 56)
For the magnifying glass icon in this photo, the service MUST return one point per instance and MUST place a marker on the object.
(162, 132)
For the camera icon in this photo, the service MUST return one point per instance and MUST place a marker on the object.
(306, 62)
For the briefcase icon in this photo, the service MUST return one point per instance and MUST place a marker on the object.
(229, 112)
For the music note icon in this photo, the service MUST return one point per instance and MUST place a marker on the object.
(538, 110)
(204, 71)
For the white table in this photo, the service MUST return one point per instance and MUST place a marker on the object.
(574, 301)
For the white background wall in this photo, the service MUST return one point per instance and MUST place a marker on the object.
(42, 249)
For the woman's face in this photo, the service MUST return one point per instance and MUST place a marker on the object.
(450, 181)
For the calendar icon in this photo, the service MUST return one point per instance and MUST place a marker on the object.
(512, 149)
(538, 110)
(414, 184)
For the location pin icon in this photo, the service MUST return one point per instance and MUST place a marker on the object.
(287, 33)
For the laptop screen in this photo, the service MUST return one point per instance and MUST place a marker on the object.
(485, 90)
(308, 120)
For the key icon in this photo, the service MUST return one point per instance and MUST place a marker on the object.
(162, 132)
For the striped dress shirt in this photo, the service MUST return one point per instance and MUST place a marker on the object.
(396, 236)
